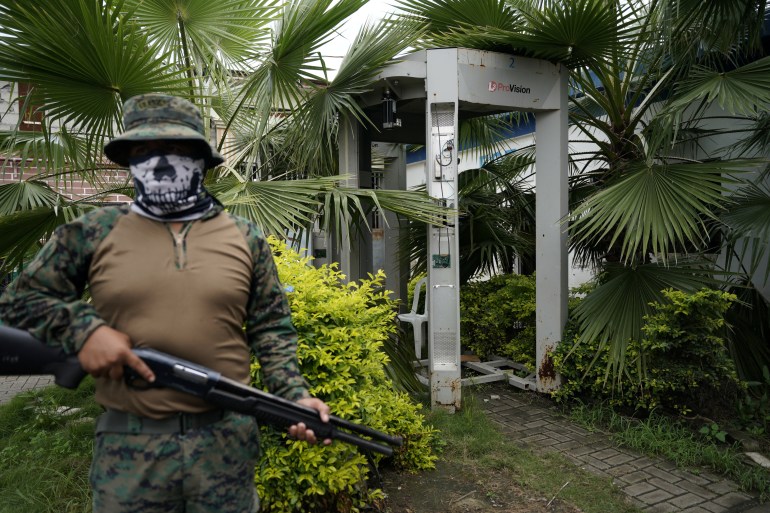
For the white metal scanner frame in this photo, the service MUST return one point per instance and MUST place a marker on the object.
(434, 89)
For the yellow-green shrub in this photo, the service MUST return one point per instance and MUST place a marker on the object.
(681, 364)
(341, 331)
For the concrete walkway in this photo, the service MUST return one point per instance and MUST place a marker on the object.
(12, 385)
(655, 485)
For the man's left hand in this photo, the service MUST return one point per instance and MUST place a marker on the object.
(300, 431)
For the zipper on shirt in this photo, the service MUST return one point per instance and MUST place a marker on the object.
(180, 245)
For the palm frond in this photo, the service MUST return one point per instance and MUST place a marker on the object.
(83, 59)
(26, 195)
(222, 34)
(689, 25)
(613, 312)
(372, 49)
(748, 237)
(278, 206)
(758, 139)
(443, 15)
(293, 58)
(744, 90)
(658, 209)
(24, 230)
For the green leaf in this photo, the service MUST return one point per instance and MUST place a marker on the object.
(655, 209)
(744, 90)
(612, 314)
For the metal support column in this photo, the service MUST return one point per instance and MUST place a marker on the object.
(393, 178)
(443, 251)
(353, 250)
(551, 245)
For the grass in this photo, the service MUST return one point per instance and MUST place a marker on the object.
(474, 441)
(662, 436)
(45, 455)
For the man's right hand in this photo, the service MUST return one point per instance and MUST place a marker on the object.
(106, 351)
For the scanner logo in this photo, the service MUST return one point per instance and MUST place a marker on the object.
(495, 86)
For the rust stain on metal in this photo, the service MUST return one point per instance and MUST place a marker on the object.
(457, 386)
(547, 370)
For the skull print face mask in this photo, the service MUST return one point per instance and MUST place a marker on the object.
(169, 187)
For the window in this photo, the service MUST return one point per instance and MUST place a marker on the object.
(31, 114)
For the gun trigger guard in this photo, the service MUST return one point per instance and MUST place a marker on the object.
(133, 380)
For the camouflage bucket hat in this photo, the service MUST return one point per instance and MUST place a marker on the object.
(153, 117)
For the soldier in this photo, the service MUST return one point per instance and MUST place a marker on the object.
(173, 272)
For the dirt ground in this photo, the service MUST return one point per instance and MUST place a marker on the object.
(458, 490)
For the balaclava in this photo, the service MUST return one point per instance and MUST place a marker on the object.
(169, 187)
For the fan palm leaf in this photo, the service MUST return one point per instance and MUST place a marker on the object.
(748, 223)
(23, 230)
(293, 58)
(613, 312)
(658, 209)
(743, 91)
(221, 35)
(83, 59)
(570, 32)
(371, 50)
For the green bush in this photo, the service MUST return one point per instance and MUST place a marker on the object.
(341, 329)
(754, 406)
(497, 317)
(681, 364)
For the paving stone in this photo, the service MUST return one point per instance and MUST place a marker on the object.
(669, 486)
(638, 489)
(536, 424)
(643, 462)
(621, 470)
(732, 499)
(636, 476)
(569, 446)
(697, 489)
(606, 454)
(723, 486)
(597, 463)
(532, 439)
(655, 496)
(711, 477)
(759, 508)
(696, 509)
(562, 429)
(582, 450)
(663, 507)
(692, 478)
(558, 438)
(687, 500)
(713, 507)
(620, 459)
(663, 473)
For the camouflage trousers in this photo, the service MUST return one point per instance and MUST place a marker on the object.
(204, 470)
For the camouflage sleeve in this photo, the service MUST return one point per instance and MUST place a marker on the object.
(269, 330)
(46, 298)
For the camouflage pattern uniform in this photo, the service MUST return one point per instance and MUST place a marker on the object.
(156, 472)
(209, 468)
(206, 470)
